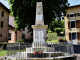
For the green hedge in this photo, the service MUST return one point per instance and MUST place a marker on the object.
(58, 30)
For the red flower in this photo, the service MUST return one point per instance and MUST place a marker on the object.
(60, 39)
(39, 52)
(35, 52)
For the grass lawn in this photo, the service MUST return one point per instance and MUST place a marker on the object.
(2, 53)
(52, 37)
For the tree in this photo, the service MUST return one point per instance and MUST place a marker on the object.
(56, 24)
(24, 11)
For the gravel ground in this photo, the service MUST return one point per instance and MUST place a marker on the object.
(2, 58)
(77, 56)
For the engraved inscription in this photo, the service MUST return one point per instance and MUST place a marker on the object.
(39, 11)
(39, 17)
(38, 5)
(39, 34)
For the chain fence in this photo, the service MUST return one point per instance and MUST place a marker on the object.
(39, 50)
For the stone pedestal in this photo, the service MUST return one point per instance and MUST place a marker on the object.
(39, 33)
(39, 29)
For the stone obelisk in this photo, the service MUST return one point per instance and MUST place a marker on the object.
(39, 29)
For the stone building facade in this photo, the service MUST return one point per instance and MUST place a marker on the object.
(7, 26)
(72, 24)
(4, 19)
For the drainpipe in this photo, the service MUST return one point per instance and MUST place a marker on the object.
(65, 29)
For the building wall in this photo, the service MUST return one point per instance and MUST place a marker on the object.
(71, 10)
(27, 35)
(4, 30)
(13, 36)
(19, 35)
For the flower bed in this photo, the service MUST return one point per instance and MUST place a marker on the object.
(38, 54)
(62, 40)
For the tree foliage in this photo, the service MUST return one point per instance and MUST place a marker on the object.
(56, 24)
(24, 11)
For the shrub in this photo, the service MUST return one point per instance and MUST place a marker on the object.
(50, 36)
(58, 30)
(21, 41)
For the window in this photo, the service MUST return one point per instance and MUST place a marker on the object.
(9, 35)
(73, 24)
(71, 15)
(74, 36)
(0, 35)
(23, 29)
(79, 14)
(23, 36)
(2, 13)
(1, 24)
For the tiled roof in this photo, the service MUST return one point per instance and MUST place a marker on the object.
(5, 7)
(73, 6)
(11, 21)
(11, 26)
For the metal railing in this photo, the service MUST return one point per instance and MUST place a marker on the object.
(28, 50)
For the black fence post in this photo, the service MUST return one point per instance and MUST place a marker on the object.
(7, 50)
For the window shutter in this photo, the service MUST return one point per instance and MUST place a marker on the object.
(78, 23)
(78, 14)
(78, 35)
(69, 36)
(75, 14)
(67, 15)
(69, 24)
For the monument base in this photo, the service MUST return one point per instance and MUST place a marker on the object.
(39, 41)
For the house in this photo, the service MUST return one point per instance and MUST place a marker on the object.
(4, 19)
(20, 34)
(72, 24)
(7, 33)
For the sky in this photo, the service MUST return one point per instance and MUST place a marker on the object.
(72, 3)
